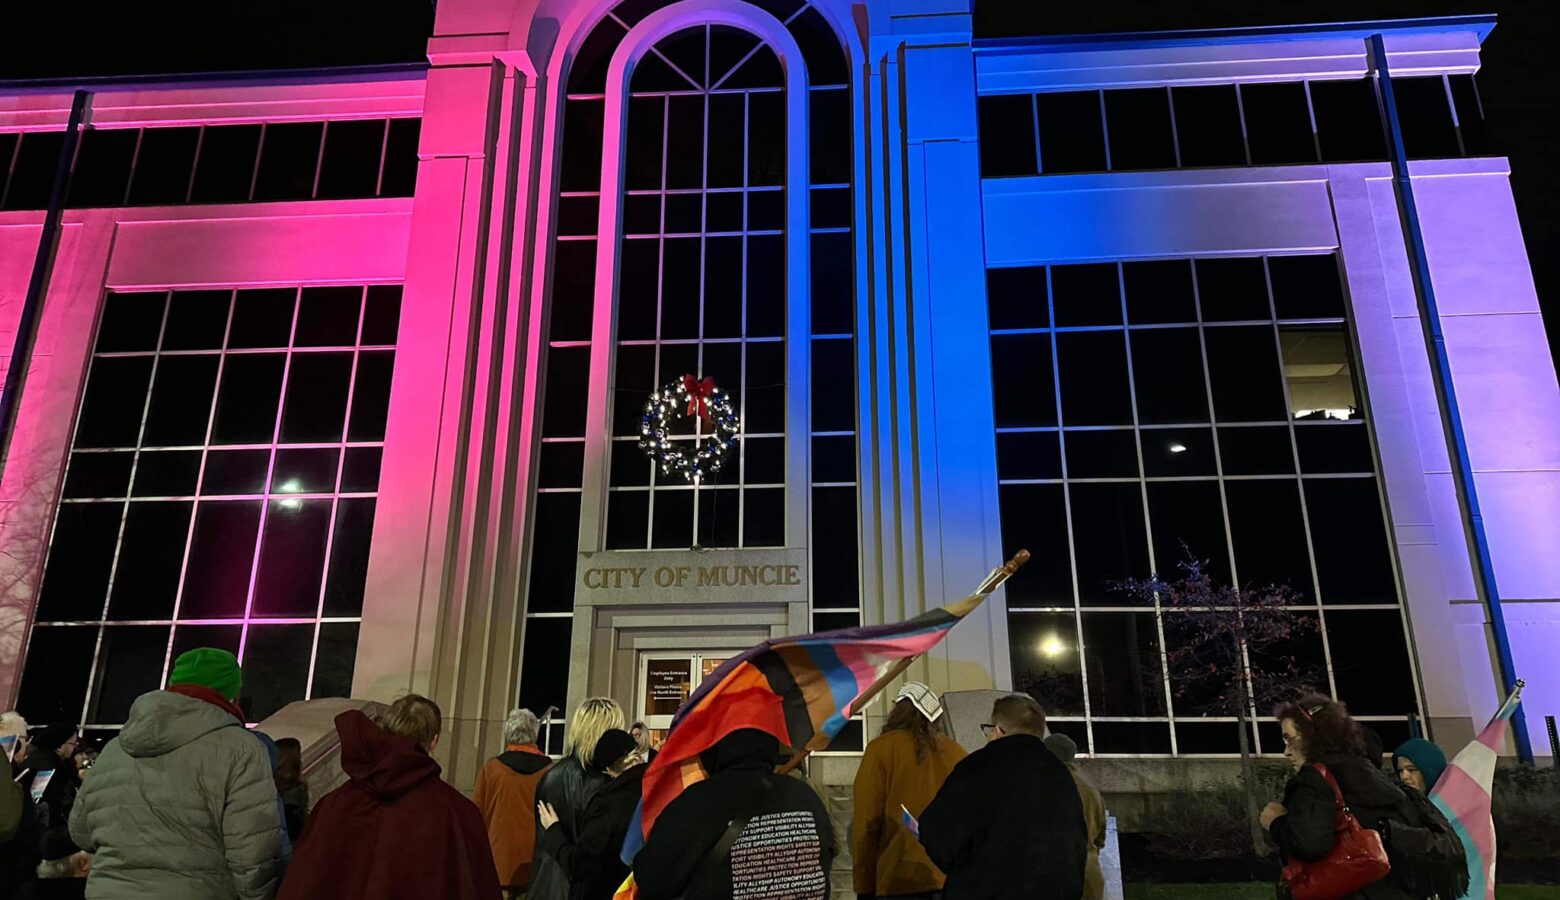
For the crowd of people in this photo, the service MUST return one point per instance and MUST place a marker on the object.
(189, 803)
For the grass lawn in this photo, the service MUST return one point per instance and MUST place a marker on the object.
(1255, 891)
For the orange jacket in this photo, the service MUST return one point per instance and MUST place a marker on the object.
(506, 794)
(889, 859)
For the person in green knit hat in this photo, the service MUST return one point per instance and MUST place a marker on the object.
(1419, 764)
(181, 805)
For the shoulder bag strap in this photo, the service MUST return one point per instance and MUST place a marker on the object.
(1343, 808)
(717, 854)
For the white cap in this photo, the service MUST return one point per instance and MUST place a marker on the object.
(925, 701)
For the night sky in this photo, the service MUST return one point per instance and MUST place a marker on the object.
(1519, 81)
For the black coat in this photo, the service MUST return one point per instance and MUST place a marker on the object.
(1008, 823)
(568, 788)
(789, 830)
(593, 860)
(1309, 830)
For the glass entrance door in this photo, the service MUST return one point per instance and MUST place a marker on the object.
(665, 682)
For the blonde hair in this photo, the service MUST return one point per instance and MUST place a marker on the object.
(12, 725)
(414, 716)
(594, 718)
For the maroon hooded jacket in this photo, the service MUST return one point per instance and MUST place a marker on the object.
(394, 830)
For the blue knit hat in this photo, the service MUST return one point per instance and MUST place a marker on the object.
(1426, 756)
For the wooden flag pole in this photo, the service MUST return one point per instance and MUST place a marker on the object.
(820, 742)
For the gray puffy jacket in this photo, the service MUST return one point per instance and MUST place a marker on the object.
(181, 806)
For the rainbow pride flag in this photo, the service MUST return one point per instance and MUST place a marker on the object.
(801, 689)
(1463, 796)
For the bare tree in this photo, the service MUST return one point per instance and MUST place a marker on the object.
(1231, 650)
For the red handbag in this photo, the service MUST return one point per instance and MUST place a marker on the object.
(1358, 858)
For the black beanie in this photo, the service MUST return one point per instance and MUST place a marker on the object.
(53, 737)
(613, 746)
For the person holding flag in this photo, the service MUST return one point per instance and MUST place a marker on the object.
(1462, 794)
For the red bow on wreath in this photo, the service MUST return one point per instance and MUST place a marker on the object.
(699, 393)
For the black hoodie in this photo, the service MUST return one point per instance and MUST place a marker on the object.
(787, 837)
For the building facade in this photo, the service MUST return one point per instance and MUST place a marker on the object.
(346, 370)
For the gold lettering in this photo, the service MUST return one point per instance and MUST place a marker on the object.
(664, 576)
(682, 575)
(637, 573)
(768, 574)
(709, 576)
(587, 577)
(793, 575)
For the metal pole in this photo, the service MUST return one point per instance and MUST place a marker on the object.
(1446, 391)
(38, 284)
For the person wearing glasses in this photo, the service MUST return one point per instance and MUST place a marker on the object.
(1008, 822)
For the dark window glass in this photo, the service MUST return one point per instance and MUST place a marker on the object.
(1301, 654)
(1177, 451)
(1232, 290)
(1320, 373)
(573, 290)
(1350, 536)
(1188, 522)
(310, 470)
(1348, 121)
(289, 158)
(316, 397)
(32, 175)
(723, 211)
(1167, 371)
(382, 314)
(129, 663)
(829, 131)
(197, 320)
(567, 372)
(1029, 454)
(130, 322)
(1341, 448)
(1034, 518)
(1101, 454)
(1246, 381)
(360, 471)
(544, 667)
(216, 577)
(723, 287)
(1371, 665)
(1132, 737)
(1077, 730)
(400, 171)
(1425, 113)
(1306, 287)
(1256, 451)
(292, 558)
(1021, 380)
(1109, 541)
(1269, 534)
(235, 472)
(766, 139)
(262, 318)
(1278, 123)
(835, 621)
(628, 520)
(763, 461)
(247, 400)
(684, 142)
(1159, 292)
(54, 682)
(834, 565)
(831, 208)
(1126, 677)
(1207, 738)
(8, 144)
(150, 553)
(103, 167)
(181, 401)
(189, 637)
(276, 667)
(726, 163)
(115, 398)
(98, 475)
(833, 396)
(1045, 660)
(577, 216)
(1470, 115)
(1072, 136)
(167, 474)
(1016, 298)
(820, 47)
(833, 284)
(1086, 295)
(581, 167)
(672, 519)
(562, 464)
(81, 555)
(349, 556)
(350, 166)
(225, 167)
(766, 286)
(1141, 136)
(635, 379)
(328, 317)
(1007, 136)
(163, 166)
(684, 213)
(834, 458)
(335, 658)
(763, 520)
(1092, 366)
(1207, 125)
(638, 293)
(554, 549)
(764, 409)
(1196, 692)
(371, 396)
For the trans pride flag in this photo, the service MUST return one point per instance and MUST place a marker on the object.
(801, 689)
(1463, 796)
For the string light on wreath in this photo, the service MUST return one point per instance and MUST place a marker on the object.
(689, 397)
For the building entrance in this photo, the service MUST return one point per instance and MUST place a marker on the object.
(666, 680)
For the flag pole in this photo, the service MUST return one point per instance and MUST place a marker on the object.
(992, 582)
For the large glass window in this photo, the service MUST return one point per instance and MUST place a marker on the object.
(220, 492)
(1151, 410)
